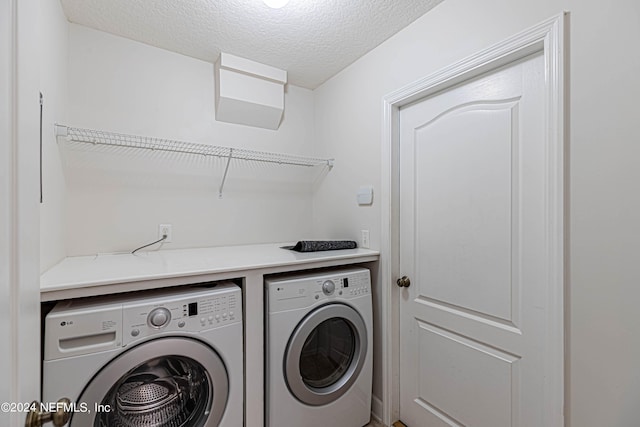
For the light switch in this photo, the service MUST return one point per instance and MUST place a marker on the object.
(365, 195)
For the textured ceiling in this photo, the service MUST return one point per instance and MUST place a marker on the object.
(311, 39)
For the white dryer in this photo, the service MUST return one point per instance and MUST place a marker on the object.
(166, 358)
(319, 358)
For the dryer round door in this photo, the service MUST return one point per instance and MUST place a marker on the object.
(170, 381)
(325, 354)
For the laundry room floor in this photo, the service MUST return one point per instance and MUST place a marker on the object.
(374, 424)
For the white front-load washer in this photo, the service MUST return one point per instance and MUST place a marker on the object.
(319, 358)
(164, 358)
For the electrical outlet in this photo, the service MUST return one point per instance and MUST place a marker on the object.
(165, 230)
(365, 239)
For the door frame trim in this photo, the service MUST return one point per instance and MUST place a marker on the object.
(19, 204)
(548, 37)
(8, 262)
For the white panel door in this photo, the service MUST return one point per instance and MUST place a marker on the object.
(473, 179)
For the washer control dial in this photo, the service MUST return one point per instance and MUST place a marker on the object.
(328, 287)
(159, 317)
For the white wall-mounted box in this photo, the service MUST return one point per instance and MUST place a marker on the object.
(248, 92)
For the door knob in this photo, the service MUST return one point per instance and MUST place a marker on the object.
(403, 282)
(37, 417)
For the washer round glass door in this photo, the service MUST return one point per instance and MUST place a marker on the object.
(170, 381)
(325, 354)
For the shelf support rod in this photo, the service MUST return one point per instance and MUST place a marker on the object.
(226, 169)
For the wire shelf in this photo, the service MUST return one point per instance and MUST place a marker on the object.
(99, 137)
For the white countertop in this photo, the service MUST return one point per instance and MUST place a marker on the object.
(108, 269)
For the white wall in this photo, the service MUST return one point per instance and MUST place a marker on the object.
(53, 35)
(117, 198)
(603, 341)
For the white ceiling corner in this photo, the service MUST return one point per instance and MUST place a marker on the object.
(311, 39)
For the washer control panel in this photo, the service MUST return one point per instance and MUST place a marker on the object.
(77, 327)
(191, 312)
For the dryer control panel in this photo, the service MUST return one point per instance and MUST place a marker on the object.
(300, 291)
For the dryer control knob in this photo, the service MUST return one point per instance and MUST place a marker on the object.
(159, 317)
(328, 287)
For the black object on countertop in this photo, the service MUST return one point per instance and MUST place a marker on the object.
(321, 245)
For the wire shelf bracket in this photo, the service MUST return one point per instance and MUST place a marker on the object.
(99, 137)
(226, 169)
